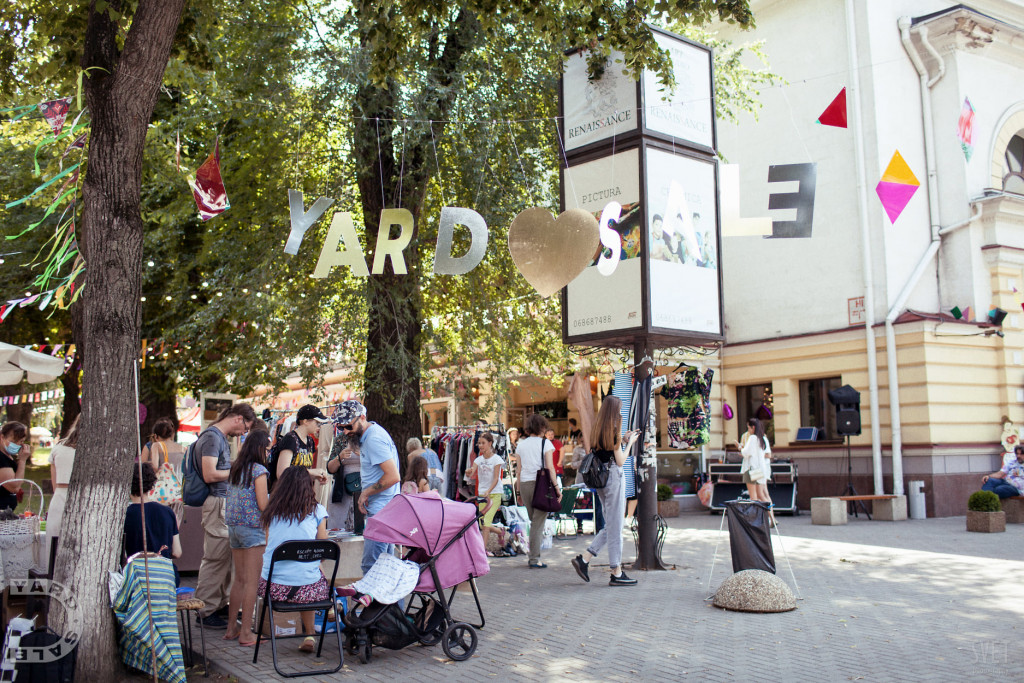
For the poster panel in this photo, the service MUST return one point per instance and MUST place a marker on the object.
(682, 217)
(686, 113)
(595, 302)
(597, 110)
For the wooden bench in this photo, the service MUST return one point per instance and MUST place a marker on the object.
(830, 509)
(1014, 509)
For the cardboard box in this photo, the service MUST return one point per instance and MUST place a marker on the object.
(286, 623)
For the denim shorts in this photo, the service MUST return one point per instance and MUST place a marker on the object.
(242, 537)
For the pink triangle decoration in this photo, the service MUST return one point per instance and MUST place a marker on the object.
(835, 113)
(895, 197)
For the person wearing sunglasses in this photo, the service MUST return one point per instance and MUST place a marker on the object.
(378, 469)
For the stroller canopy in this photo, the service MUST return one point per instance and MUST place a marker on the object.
(429, 522)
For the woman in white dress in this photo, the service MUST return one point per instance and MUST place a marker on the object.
(756, 468)
(62, 460)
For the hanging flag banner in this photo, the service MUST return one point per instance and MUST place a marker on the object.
(965, 129)
(897, 186)
(56, 112)
(208, 187)
(835, 113)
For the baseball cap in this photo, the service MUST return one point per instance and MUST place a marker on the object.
(310, 412)
(348, 412)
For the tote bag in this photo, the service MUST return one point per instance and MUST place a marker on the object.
(545, 493)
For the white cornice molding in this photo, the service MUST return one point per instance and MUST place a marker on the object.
(966, 30)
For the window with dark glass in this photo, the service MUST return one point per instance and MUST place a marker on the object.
(755, 400)
(815, 409)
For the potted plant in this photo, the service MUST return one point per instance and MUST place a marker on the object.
(984, 513)
(668, 506)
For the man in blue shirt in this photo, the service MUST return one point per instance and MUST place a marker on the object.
(378, 469)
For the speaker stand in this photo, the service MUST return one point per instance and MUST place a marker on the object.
(850, 490)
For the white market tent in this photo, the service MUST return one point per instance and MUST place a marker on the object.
(15, 362)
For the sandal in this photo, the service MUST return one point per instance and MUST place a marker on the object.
(308, 645)
(538, 565)
(264, 639)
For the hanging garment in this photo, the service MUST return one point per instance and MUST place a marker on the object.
(579, 394)
(131, 610)
(687, 395)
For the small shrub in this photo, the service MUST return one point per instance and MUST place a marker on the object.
(664, 492)
(984, 501)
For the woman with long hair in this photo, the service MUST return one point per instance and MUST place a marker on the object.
(62, 461)
(294, 515)
(416, 476)
(756, 462)
(247, 498)
(609, 448)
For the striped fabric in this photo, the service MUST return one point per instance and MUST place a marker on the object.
(623, 389)
(130, 609)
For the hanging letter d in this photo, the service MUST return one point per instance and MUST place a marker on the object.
(444, 262)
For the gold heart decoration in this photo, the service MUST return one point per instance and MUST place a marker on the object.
(551, 252)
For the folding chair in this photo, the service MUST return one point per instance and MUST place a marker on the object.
(565, 515)
(302, 551)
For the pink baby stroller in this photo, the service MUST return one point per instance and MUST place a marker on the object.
(443, 538)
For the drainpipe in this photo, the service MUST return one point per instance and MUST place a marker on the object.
(868, 269)
(904, 24)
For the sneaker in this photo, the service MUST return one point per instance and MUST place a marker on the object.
(212, 621)
(582, 568)
(621, 580)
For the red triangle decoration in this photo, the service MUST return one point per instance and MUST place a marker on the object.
(835, 113)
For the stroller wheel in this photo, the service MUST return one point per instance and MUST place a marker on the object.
(365, 652)
(459, 641)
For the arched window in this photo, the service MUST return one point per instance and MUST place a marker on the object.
(1013, 165)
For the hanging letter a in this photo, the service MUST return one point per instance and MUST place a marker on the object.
(343, 231)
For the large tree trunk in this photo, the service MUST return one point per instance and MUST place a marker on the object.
(72, 405)
(395, 302)
(121, 91)
(157, 392)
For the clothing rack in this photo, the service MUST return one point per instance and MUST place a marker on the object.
(440, 429)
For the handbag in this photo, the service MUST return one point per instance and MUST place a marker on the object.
(594, 471)
(167, 489)
(756, 475)
(706, 493)
(353, 483)
(545, 493)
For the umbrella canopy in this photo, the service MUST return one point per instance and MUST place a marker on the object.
(40, 431)
(189, 421)
(16, 361)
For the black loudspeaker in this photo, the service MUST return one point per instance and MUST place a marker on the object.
(846, 399)
(848, 421)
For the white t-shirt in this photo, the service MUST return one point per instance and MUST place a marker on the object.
(531, 458)
(486, 470)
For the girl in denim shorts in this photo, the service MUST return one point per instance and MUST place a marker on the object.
(247, 498)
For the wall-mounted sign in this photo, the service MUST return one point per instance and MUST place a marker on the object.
(597, 303)
(617, 107)
(682, 222)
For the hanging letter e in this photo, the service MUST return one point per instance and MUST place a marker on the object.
(341, 231)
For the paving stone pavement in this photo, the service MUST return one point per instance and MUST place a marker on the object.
(920, 600)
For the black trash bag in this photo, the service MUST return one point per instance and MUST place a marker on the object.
(59, 664)
(393, 629)
(749, 535)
